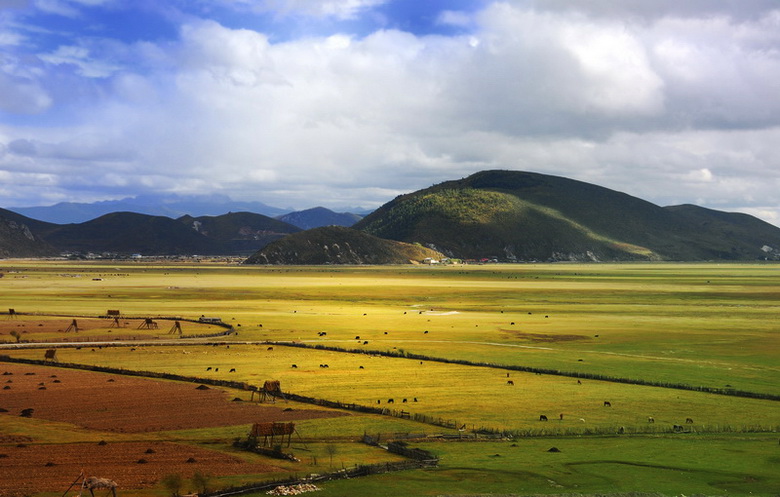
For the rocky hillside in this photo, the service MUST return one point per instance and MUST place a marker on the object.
(16, 240)
(240, 232)
(339, 245)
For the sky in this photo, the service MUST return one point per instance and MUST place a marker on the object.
(300, 103)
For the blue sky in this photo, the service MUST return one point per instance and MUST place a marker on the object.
(351, 102)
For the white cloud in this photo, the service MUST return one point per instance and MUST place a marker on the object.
(80, 57)
(67, 8)
(10, 38)
(339, 9)
(22, 96)
(58, 7)
(455, 18)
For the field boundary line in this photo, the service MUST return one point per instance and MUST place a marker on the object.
(528, 369)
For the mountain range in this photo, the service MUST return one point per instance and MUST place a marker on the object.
(175, 206)
(503, 215)
(172, 206)
(126, 233)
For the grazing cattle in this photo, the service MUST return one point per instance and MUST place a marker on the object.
(365, 343)
(270, 348)
(390, 401)
(561, 415)
(542, 418)
(415, 399)
(404, 401)
(216, 369)
(650, 419)
(232, 370)
(689, 421)
(579, 382)
(510, 382)
(361, 367)
(208, 368)
(357, 337)
(677, 428)
(621, 430)
(294, 366)
(607, 403)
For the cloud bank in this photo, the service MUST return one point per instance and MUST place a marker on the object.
(673, 103)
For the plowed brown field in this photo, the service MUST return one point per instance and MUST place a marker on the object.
(52, 328)
(26, 469)
(124, 404)
(120, 404)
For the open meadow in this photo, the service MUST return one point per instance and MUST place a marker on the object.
(646, 377)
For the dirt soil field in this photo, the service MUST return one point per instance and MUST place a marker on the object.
(26, 469)
(37, 328)
(123, 404)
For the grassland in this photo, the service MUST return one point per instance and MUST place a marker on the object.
(694, 324)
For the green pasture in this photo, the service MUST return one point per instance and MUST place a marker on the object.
(670, 465)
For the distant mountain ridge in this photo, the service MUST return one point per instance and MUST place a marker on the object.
(172, 206)
(319, 216)
(513, 215)
(175, 206)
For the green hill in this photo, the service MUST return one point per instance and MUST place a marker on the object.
(339, 245)
(513, 215)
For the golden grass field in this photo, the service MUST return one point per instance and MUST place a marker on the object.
(711, 325)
